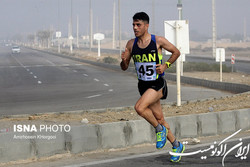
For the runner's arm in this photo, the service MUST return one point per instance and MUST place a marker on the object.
(126, 56)
(165, 44)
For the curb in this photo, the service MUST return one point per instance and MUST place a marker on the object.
(85, 138)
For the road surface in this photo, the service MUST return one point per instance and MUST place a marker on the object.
(36, 82)
(236, 154)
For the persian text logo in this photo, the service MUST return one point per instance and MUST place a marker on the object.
(221, 149)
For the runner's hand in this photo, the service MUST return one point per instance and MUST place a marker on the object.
(160, 68)
(125, 55)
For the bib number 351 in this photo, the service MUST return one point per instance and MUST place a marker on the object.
(146, 71)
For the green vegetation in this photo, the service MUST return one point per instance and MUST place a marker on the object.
(192, 66)
(110, 60)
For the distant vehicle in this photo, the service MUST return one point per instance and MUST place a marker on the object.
(16, 49)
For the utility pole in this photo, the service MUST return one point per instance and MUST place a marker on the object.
(178, 62)
(214, 28)
(120, 36)
(90, 26)
(245, 30)
(179, 6)
(71, 28)
(77, 31)
(113, 46)
(153, 16)
(58, 28)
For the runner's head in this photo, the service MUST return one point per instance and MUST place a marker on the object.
(141, 16)
(140, 24)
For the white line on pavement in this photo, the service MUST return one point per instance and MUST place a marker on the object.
(97, 80)
(39, 65)
(18, 61)
(85, 75)
(50, 62)
(89, 97)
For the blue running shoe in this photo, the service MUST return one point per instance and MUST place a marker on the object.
(161, 138)
(179, 149)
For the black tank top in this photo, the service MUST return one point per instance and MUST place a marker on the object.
(145, 60)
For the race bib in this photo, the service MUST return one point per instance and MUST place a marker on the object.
(146, 71)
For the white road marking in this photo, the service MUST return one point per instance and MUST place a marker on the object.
(39, 65)
(75, 71)
(18, 61)
(31, 73)
(65, 64)
(97, 80)
(35, 76)
(106, 84)
(111, 90)
(85, 75)
(39, 82)
(12, 66)
(28, 69)
(50, 62)
(89, 97)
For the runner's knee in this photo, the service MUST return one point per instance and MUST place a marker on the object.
(139, 109)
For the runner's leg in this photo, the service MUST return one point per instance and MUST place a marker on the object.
(158, 114)
(142, 105)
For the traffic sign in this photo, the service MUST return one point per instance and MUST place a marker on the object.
(233, 59)
(220, 54)
(99, 36)
(182, 37)
(58, 34)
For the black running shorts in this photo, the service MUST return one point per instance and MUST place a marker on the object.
(158, 84)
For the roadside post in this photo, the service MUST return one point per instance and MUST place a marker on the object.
(220, 57)
(99, 37)
(233, 61)
(71, 43)
(58, 36)
(177, 32)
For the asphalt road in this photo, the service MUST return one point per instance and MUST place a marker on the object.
(36, 82)
(229, 151)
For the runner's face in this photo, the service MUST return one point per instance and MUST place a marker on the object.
(140, 27)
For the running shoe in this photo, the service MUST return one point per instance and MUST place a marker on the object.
(161, 138)
(179, 149)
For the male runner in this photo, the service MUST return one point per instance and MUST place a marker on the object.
(146, 51)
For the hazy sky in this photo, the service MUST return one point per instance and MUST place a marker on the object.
(29, 16)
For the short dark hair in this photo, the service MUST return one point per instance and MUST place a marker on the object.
(141, 16)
